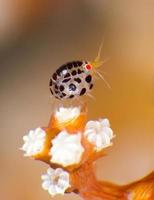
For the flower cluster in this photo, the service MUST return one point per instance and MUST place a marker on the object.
(55, 181)
(67, 114)
(66, 148)
(34, 142)
(99, 133)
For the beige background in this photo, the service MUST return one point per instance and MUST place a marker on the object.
(38, 37)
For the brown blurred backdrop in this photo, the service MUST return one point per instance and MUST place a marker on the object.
(35, 38)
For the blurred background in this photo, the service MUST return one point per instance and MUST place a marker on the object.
(37, 36)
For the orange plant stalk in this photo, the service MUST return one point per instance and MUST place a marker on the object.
(70, 145)
(88, 187)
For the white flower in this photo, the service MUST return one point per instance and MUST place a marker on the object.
(33, 142)
(67, 149)
(99, 133)
(56, 181)
(66, 114)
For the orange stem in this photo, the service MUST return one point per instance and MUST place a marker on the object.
(88, 187)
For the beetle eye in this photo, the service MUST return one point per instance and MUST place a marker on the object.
(88, 67)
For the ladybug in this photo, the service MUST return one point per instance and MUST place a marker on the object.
(74, 79)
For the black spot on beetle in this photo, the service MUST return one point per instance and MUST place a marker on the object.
(54, 76)
(88, 78)
(61, 88)
(80, 63)
(72, 87)
(83, 91)
(63, 67)
(56, 86)
(50, 84)
(69, 65)
(51, 91)
(63, 94)
(56, 91)
(59, 71)
(66, 80)
(71, 96)
(78, 80)
(75, 64)
(80, 71)
(73, 73)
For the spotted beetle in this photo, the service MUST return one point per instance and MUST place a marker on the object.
(75, 78)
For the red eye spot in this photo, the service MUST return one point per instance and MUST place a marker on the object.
(88, 67)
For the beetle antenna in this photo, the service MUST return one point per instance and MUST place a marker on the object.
(98, 62)
(101, 76)
(97, 59)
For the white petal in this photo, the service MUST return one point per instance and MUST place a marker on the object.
(105, 122)
(60, 190)
(46, 185)
(92, 138)
(50, 171)
(105, 140)
(58, 171)
(90, 124)
(52, 190)
(63, 183)
(25, 146)
(89, 132)
(64, 176)
(25, 138)
(108, 131)
(99, 141)
(38, 130)
(31, 133)
(45, 177)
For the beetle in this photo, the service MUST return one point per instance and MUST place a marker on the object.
(75, 78)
